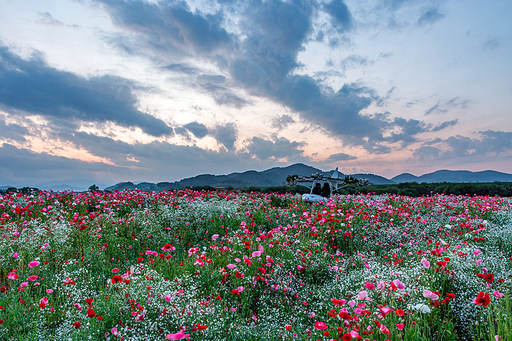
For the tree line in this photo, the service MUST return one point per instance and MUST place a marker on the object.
(412, 189)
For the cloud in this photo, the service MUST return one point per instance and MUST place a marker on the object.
(443, 106)
(463, 149)
(224, 96)
(13, 132)
(339, 157)
(354, 60)
(226, 134)
(280, 148)
(198, 129)
(282, 122)
(491, 44)
(20, 166)
(32, 86)
(409, 129)
(49, 20)
(171, 25)
(182, 68)
(430, 16)
(341, 17)
(262, 60)
(445, 125)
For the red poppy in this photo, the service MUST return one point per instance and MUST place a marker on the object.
(489, 278)
(483, 299)
(346, 337)
(116, 279)
(90, 313)
(3, 289)
(77, 325)
(89, 301)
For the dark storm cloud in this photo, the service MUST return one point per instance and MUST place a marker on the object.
(279, 148)
(409, 129)
(262, 60)
(198, 129)
(226, 134)
(32, 86)
(170, 22)
(461, 149)
(224, 96)
(341, 17)
(21, 166)
(12, 131)
(340, 157)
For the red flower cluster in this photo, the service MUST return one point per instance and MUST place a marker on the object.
(482, 299)
(489, 278)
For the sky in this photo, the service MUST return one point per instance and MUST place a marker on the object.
(106, 91)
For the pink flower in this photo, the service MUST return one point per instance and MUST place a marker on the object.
(363, 295)
(15, 255)
(32, 278)
(12, 275)
(425, 263)
(498, 294)
(399, 284)
(321, 326)
(369, 286)
(49, 291)
(384, 329)
(178, 336)
(231, 266)
(167, 298)
(24, 284)
(478, 261)
(33, 264)
(385, 311)
(200, 262)
(115, 270)
(400, 326)
(430, 294)
(477, 251)
(215, 236)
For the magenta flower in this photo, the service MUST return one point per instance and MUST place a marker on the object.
(178, 336)
(33, 264)
(399, 284)
(369, 286)
(32, 278)
(12, 275)
(321, 326)
(430, 294)
(425, 263)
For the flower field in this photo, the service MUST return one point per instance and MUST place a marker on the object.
(249, 266)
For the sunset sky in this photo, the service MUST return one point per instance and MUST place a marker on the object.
(111, 90)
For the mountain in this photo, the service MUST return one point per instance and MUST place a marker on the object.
(455, 176)
(374, 179)
(271, 177)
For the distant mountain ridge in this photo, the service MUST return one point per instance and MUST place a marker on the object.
(458, 176)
